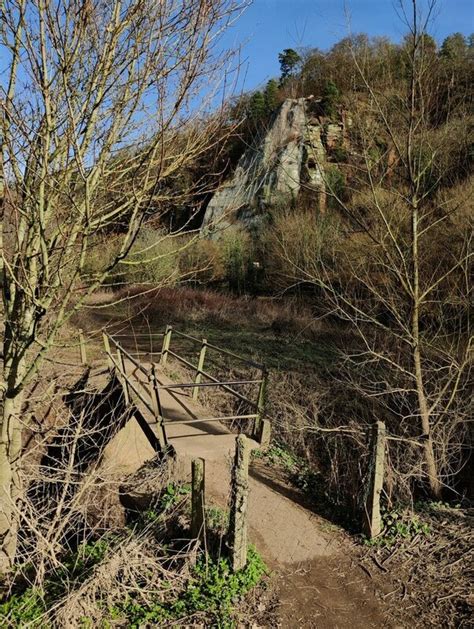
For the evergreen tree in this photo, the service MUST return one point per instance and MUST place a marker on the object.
(289, 60)
(256, 106)
(454, 46)
(330, 98)
(271, 96)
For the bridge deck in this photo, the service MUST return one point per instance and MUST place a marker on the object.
(284, 531)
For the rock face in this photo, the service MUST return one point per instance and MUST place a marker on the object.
(291, 155)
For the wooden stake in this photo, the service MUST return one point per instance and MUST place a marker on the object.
(262, 393)
(157, 410)
(373, 518)
(200, 367)
(82, 343)
(265, 433)
(123, 376)
(239, 506)
(166, 345)
(198, 504)
(106, 341)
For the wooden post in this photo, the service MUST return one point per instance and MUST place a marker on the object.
(265, 433)
(82, 343)
(106, 341)
(157, 410)
(123, 376)
(373, 519)
(200, 367)
(166, 345)
(198, 504)
(239, 507)
(262, 392)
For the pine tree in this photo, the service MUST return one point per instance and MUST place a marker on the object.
(330, 98)
(289, 60)
(271, 96)
(256, 106)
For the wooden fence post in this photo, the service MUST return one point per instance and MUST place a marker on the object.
(157, 410)
(123, 376)
(198, 504)
(82, 344)
(239, 507)
(373, 519)
(262, 392)
(265, 433)
(106, 341)
(200, 367)
(166, 345)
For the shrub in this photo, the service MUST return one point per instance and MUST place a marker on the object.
(100, 256)
(237, 256)
(203, 261)
(153, 259)
(336, 186)
(297, 240)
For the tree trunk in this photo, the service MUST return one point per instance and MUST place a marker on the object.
(10, 452)
(429, 455)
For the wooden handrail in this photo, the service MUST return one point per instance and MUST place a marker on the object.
(129, 356)
(190, 385)
(252, 363)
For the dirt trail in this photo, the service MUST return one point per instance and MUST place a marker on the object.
(317, 584)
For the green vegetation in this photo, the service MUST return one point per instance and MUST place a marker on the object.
(399, 525)
(289, 60)
(330, 99)
(33, 603)
(211, 592)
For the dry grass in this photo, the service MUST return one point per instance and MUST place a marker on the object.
(138, 568)
(192, 306)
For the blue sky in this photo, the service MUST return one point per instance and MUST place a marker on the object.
(269, 26)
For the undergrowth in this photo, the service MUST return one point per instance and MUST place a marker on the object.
(399, 525)
(212, 591)
(137, 577)
(30, 606)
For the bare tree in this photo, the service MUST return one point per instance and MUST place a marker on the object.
(94, 100)
(399, 264)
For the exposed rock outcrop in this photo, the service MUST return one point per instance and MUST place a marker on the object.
(291, 155)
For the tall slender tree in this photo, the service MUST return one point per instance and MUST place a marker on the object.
(83, 81)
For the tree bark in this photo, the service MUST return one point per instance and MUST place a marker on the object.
(10, 488)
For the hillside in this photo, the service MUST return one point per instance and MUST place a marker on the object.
(237, 362)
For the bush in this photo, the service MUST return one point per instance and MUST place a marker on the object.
(336, 187)
(237, 258)
(153, 259)
(203, 261)
(297, 240)
(100, 256)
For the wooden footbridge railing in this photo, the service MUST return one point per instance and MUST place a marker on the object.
(142, 386)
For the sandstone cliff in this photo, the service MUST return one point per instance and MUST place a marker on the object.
(291, 155)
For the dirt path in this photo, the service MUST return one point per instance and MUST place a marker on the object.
(319, 585)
